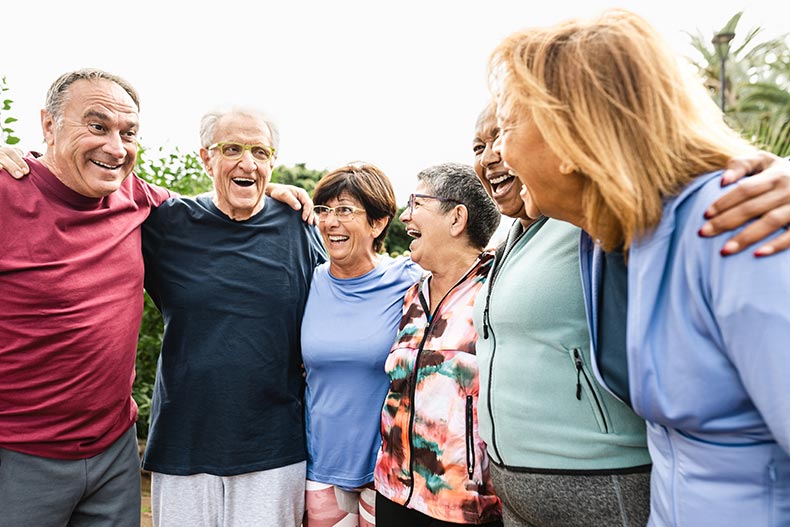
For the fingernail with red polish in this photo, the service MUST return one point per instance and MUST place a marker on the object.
(729, 248)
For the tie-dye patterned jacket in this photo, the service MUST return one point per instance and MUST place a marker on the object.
(432, 459)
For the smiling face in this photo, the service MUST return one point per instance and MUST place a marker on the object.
(92, 144)
(239, 184)
(350, 242)
(428, 224)
(499, 182)
(546, 190)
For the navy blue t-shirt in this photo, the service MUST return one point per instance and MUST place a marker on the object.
(611, 347)
(228, 392)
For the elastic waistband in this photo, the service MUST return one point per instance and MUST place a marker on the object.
(639, 469)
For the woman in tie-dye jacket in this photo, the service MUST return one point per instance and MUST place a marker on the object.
(433, 464)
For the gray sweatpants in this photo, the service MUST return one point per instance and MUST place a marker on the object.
(264, 498)
(538, 500)
(101, 491)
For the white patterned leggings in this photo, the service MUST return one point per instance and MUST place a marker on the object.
(330, 506)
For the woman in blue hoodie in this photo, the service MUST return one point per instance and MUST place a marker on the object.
(606, 131)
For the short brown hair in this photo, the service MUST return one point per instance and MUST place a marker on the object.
(367, 184)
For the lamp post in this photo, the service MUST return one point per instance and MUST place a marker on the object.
(721, 41)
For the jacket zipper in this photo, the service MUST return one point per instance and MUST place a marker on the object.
(413, 387)
(579, 373)
(499, 257)
(472, 484)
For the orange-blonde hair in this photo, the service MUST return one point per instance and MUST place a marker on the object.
(610, 97)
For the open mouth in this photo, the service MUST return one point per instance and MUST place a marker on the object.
(414, 233)
(501, 181)
(105, 165)
(335, 238)
(243, 181)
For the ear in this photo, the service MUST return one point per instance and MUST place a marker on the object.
(48, 127)
(567, 167)
(206, 157)
(378, 227)
(459, 219)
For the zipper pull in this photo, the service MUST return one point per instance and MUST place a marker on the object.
(485, 323)
(578, 362)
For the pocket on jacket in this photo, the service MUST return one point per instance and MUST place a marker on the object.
(585, 387)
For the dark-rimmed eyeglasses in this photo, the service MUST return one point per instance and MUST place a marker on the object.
(341, 212)
(413, 197)
(234, 151)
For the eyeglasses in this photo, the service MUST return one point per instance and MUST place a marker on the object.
(342, 212)
(411, 203)
(234, 151)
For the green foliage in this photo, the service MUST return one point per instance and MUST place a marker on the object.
(772, 133)
(6, 132)
(181, 173)
(298, 175)
(397, 241)
(149, 344)
(757, 82)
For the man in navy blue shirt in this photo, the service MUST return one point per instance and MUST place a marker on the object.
(230, 273)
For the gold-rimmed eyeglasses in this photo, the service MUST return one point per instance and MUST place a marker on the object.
(234, 151)
(341, 212)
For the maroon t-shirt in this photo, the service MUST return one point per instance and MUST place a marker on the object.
(71, 299)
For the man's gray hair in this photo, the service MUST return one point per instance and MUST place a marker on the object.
(57, 93)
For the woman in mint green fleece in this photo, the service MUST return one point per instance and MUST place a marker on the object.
(563, 450)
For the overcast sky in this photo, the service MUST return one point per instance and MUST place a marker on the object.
(396, 83)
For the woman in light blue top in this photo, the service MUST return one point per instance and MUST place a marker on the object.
(349, 325)
(607, 131)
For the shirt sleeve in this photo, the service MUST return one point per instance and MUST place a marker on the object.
(750, 299)
(317, 249)
(152, 239)
(156, 195)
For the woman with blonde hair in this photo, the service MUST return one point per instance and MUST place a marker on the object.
(605, 130)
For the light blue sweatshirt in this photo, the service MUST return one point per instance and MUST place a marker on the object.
(348, 329)
(709, 365)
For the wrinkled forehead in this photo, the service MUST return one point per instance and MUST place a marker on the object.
(505, 109)
(513, 111)
(101, 98)
(486, 124)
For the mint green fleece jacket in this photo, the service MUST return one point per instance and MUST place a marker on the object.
(540, 406)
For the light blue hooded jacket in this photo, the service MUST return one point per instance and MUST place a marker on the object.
(708, 344)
